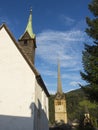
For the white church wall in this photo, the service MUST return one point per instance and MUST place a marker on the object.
(17, 87)
(45, 111)
(41, 115)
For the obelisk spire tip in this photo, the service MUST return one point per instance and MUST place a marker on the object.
(59, 86)
(30, 10)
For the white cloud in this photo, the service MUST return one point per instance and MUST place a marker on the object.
(70, 76)
(68, 47)
(52, 92)
(65, 45)
(49, 73)
(73, 83)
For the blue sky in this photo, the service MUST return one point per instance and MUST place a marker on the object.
(59, 26)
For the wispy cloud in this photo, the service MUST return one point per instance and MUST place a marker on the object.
(71, 76)
(68, 47)
(74, 83)
(4, 19)
(71, 23)
(49, 73)
(68, 21)
(65, 45)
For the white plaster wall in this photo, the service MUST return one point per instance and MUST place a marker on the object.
(19, 91)
(41, 117)
(17, 82)
(45, 109)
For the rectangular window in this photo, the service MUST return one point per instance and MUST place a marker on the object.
(59, 103)
(25, 42)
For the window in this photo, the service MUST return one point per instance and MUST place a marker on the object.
(59, 103)
(25, 42)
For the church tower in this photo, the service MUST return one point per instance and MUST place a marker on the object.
(28, 40)
(60, 102)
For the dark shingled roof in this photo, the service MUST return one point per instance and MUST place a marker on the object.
(37, 74)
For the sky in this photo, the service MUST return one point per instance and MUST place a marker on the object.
(59, 26)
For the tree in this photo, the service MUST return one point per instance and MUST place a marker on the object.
(90, 55)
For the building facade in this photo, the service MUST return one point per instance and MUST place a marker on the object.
(23, 94)
(60, 102)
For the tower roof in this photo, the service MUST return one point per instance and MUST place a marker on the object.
(29, 27)
(59, 85)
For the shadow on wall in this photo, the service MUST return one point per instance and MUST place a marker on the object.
(37, 121)
(15, 123)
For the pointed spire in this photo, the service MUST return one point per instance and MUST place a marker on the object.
(59, 85)
(29, 28)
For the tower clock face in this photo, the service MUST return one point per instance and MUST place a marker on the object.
(59, 108)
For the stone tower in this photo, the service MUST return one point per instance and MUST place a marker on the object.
(60, 102)
(28, 40)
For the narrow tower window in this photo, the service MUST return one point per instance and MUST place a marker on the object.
(25, 42)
